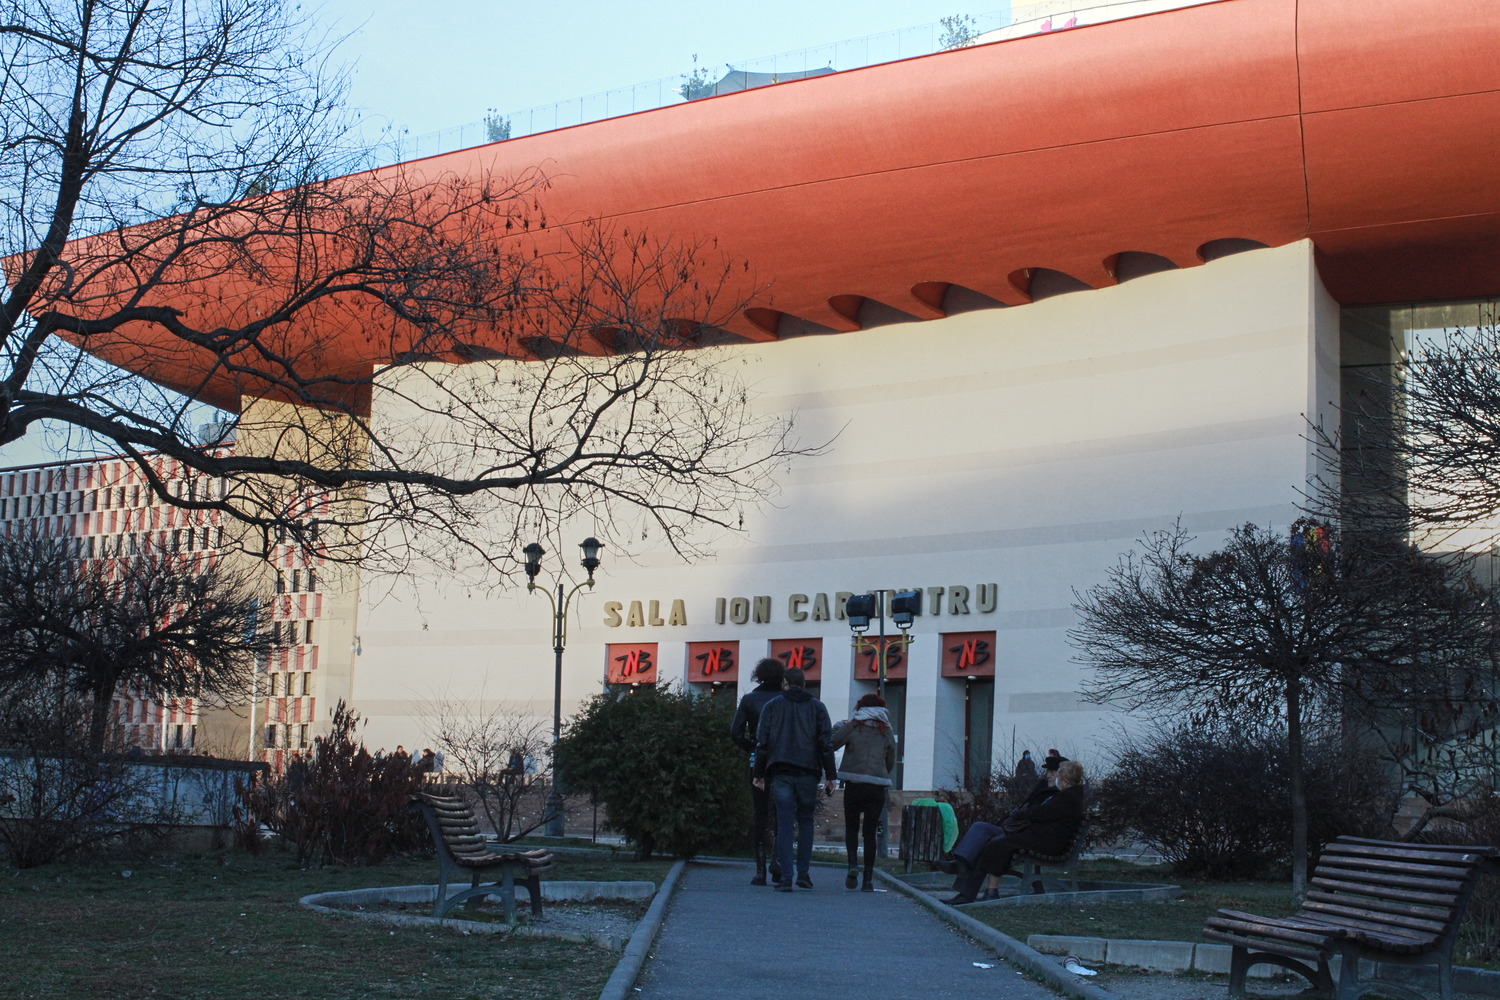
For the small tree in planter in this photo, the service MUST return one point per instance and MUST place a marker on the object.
(492, 754)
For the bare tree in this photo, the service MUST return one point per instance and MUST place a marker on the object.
(172, 209)
(1273, 628)
(959, 31)
(160, 624)
(1420, 444)
(58, 796)
(497, 755)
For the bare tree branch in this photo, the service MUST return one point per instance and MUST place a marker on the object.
(415, 365)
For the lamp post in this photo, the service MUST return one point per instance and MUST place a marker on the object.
(560, 603)
(905, 606)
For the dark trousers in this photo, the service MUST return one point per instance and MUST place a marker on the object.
(794, 796)
(760, 824)
(982, 850)
(863, 803)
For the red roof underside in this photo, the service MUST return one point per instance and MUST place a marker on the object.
(1368, 126)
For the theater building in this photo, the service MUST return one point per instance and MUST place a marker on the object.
(1042, 295)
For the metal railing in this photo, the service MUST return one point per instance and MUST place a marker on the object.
(1015, 21)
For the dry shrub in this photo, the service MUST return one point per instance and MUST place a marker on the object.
(342, 805)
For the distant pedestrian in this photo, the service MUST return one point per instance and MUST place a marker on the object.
(869, 758)
(793, 746)
(1026, 767)
(427, 763)
(768, 675)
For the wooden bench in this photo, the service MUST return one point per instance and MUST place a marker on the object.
(1391, 903)
(1032, 871)
(462, 850)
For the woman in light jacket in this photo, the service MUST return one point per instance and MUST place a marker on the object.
(869, 757)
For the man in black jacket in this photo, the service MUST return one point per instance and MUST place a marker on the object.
(793, 746)
(768, 675)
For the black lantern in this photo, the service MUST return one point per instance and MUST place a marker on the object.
(591, 547)
(533, 554)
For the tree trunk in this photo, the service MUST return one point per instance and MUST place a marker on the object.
(1298, 793)
(99, 718)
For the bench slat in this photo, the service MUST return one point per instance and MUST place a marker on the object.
(1427, 929)
(1284, 929)
(1466, 854)
(1376, 879)
(1439, 916)
(1394, 866)
(1289, 950)
(1442, 899)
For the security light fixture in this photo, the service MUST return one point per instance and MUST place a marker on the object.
(859, 610)
(905, 606)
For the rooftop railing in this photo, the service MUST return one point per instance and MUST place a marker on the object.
(707, 79)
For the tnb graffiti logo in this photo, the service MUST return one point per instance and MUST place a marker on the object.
(894, 652)
(971, 653)
(800, 657)
(637, 661)
(716, 661)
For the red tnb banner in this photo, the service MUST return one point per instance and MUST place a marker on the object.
(710, 662)
(968, 654)
(867, 659)
(631, 663)
(804, 654)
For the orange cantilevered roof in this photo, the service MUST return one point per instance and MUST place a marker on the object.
(1371, 127)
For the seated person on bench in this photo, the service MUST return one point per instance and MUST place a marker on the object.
(1045, 824)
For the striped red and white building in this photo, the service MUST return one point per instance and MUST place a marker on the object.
(108, 511)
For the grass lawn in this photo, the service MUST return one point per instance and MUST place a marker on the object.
(227, 926)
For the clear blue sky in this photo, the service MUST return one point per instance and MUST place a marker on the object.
(429, 65)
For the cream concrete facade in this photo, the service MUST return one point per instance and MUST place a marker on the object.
(1024, 447)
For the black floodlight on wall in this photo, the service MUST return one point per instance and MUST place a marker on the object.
(859, 609)
(905, 606)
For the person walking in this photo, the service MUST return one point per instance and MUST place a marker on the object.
(869, 757)
(767, 676)
(1026, 767)
(793, 746)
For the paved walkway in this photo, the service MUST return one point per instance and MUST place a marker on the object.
(724, 937)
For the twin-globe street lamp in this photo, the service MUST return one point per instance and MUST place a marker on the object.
(590, 562)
